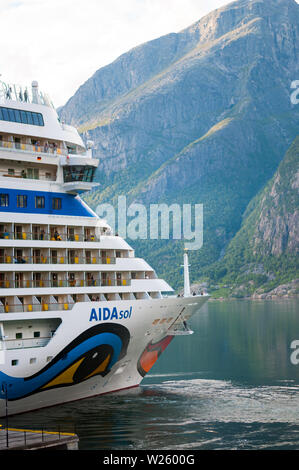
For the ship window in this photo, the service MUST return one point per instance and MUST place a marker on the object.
(35, 119)
(33, 173)
(78, 173)
(29, 118)
(5, 116)
(18, 115)
(36, 334)
(11, 114)
(56, 203)
(25, 117)
(14, 362)
(21, 200)
(39, 202)
(19, 335)
(4, 200)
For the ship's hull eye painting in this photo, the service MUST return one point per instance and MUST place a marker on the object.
(93, 353)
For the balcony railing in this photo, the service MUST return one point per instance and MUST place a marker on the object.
(23, 174)
(41, 283)
(27, 342)
(45, 306)
(48, 236)
(47, 149)
(42, 259)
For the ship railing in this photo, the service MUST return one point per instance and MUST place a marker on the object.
(91, 260)
(45, 148)
(44, 307)
(15, 92)
(116, 282)
(26, 342)
(21, 174)
(48, 236)
(42, 283)
(56, 260)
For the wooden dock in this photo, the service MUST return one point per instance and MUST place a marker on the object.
(27, 439)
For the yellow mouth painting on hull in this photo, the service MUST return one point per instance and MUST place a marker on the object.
(66, 377)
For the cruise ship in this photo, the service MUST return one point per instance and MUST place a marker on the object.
(80, 315)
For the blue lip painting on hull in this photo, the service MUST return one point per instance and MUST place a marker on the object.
(92, 353)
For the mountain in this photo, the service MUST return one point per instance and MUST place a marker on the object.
(199, 116)
(264, 254)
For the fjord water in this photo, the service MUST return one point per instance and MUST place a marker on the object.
(231, 385)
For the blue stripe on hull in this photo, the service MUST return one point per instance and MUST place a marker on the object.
(70, 204)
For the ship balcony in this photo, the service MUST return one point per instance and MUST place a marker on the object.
(39, 148)
(25, 255)
(59, 259)
(36, 307)
(50, 152)
(53, 235)
(31, 303)
(57, 281)
(28, 174)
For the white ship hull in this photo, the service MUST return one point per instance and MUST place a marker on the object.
(80, 315)
(92, 355)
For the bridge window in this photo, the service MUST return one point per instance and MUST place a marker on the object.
(23, 117)
(78, 173)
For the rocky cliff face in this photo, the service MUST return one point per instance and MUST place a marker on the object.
(201, 116)
(263, 257)
(277, 228)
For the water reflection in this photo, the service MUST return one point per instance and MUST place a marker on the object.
(229, 386)
(243, 340)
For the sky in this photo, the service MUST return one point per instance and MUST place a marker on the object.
(61, 43)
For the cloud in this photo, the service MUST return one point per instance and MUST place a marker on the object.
(61, 43)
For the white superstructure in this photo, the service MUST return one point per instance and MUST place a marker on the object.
(80, 315)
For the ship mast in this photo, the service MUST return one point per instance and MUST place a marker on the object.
(187, 291)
